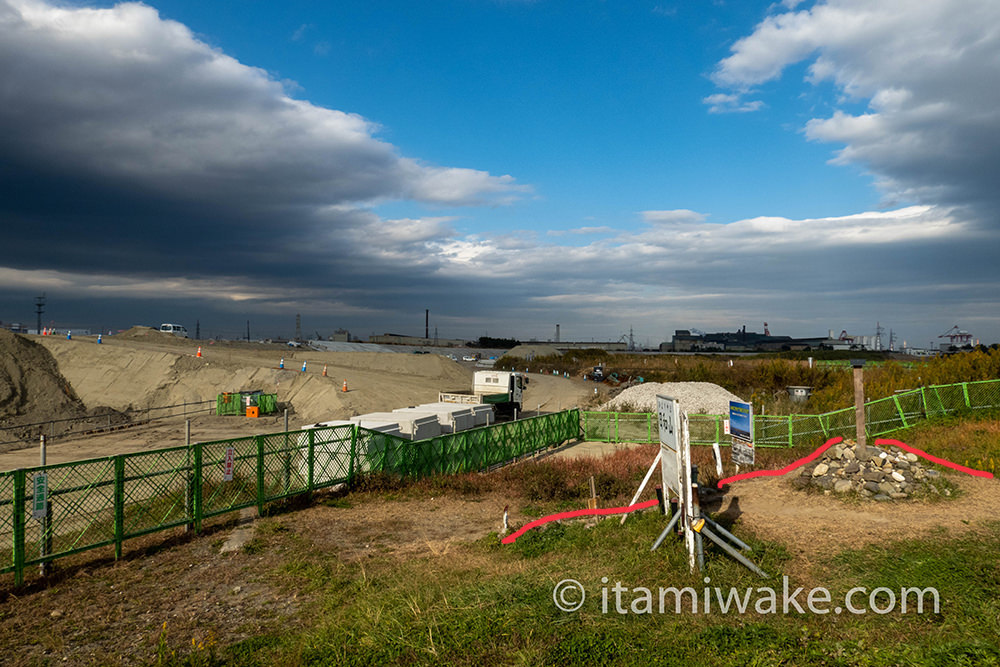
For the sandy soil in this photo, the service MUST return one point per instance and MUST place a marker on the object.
(156, 369)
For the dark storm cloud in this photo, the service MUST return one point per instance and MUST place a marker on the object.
(131, 147)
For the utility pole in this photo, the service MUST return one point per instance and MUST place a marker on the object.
(39, 309)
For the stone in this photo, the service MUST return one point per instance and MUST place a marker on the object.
(898, 496)
(820, 470)
(911, 457)
(842, 486)
(882, 498)
(871, 487)
(932, 473)
(872, 475)
(825, 482)
(898, 476)
(902, 464)
(849, 455)
(887, 488)
(852, 468)
(836, 452)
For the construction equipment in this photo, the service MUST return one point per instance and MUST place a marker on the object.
(501, 389)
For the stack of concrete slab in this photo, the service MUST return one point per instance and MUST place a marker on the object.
(482, 414)
(453, 417)
(414, 426)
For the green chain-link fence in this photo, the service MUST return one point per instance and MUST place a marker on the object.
(105, 501)
(882, 416)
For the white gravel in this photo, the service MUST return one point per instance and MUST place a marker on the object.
(696, 398)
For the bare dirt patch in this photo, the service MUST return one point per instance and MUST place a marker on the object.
(813, 526)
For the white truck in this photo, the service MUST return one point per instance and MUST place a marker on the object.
(501, 389)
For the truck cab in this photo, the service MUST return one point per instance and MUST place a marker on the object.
(500, 387)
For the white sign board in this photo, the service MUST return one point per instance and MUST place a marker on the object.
(668, 411)
(227, 474)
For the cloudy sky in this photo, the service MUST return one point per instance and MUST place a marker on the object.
(508, 164)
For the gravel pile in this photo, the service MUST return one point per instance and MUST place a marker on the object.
(885, 474)
(696, 398)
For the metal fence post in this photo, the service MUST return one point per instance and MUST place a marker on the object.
(119, 504)
(965, 392)
(311, 459)
(899, 409)
(18, 526)
(790, 443)
(197, 495)
(260, 475)
(351, 462)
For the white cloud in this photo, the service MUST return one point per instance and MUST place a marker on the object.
(932, 131)
(731, 103)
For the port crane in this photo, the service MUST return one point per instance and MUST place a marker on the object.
(956, 335)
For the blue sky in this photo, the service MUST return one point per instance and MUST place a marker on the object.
(508, 165)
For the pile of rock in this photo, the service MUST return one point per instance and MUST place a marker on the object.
(884, 474)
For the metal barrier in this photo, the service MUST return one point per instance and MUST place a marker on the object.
(106, 501)
(882, 416)
(27, 434)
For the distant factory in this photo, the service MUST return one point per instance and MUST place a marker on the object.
(693, 340)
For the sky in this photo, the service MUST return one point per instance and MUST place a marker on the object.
(509, 165)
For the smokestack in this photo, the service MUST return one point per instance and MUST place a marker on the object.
(557, 333)
(427, 323)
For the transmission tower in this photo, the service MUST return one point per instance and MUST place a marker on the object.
(39, 309)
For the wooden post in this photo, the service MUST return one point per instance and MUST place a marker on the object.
(592, 503)
(859, 408)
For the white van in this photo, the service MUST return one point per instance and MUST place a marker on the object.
(174, 329)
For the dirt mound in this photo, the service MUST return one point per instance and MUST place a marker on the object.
(31, 387)
(532, 351)
(144, 332)
(695, 397)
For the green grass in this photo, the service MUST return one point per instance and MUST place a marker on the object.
(487, 603)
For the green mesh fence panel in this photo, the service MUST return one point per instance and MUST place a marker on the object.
(7, 521)
(157, 490)
(599, 426)
(82, 509)
(282, 477)
(704, 429)
(637, 427)
(984, 395)
(808, 429)
(331, 454)
(219, 496)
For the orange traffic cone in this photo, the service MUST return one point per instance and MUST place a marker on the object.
(345, 385)
(199, 351)
(324, 370)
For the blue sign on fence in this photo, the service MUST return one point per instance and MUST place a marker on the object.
(741, 420)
